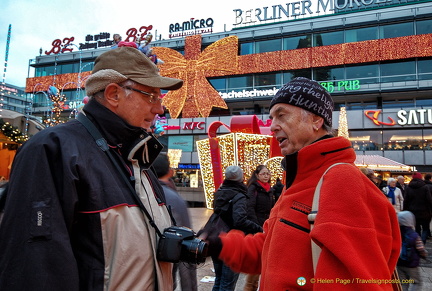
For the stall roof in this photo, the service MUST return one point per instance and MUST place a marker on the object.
(379, 163)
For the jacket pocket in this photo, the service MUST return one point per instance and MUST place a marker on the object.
(295, 225)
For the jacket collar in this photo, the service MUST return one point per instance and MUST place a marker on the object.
(325, 150)
(120, 134)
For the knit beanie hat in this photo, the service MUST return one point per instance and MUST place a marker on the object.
(234, 173)
(307, 94)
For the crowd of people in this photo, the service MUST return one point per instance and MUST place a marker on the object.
(90, 203)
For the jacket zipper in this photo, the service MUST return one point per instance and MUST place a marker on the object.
(295, 225)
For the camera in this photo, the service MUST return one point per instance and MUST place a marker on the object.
(179, 243)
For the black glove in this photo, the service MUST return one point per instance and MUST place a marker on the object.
(214, 245)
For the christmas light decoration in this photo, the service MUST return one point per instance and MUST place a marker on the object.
(197, 97)
(58, 101)
(174, 156)
(242, 149)
(12, 133)
(343, 123)
(275, 168)
(66, 81)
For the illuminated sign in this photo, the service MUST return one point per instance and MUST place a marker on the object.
(9, 89)
(405, 117)
(329, 86)
(303, 9)
(249, 93)
(194, 125)
(341, 85)
(189, 166)
(375, 115)
(416, 116)
(191, 27)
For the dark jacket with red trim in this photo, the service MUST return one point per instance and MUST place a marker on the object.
(356, 228)
(70, 221)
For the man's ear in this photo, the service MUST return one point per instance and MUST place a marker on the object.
(112, 94)
(317, 122)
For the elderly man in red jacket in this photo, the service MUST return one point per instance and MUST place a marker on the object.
(356, 228)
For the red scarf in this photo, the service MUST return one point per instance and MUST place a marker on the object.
(266, 186)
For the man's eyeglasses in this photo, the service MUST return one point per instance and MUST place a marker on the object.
(153, 97)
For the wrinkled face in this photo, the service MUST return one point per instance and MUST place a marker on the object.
(392, 183)
(264, 175)
(401, 180)
(292, 128)
(139, 109)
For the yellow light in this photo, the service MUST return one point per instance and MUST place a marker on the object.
(174, 156)
(343, 123)
(242, 149)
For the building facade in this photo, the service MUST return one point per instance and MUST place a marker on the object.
(373, 56)
(14, 98)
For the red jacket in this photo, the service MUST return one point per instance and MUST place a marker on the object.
(356, 228)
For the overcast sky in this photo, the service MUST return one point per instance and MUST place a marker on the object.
(36, 23)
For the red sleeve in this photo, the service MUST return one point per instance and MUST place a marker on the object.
(242, 253)
(357, 230)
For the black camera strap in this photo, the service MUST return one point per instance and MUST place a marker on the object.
(103, 145)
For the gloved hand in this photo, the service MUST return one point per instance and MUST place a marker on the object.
(214, 245)
(211, 236)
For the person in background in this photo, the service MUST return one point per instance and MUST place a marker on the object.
(116, 40)
(179, 210)
(418, 200)
(394, 194)
(381, 183)
(72, 220)
(371, 175)
(230, 201)
(261, 201)
(260, 193)
(401, 184)
(346, 222)
(427, 179)
(412, 249)
(277, 189)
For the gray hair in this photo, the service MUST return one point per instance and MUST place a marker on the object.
(128, 83)
(327, 128)
(391, 180)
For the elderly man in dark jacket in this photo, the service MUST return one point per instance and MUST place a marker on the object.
(418, 200)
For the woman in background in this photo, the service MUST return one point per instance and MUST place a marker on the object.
(261, 201)
(394, 194)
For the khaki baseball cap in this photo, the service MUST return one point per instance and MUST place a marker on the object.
(123, 63)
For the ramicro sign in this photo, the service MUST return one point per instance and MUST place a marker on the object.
(304, 9)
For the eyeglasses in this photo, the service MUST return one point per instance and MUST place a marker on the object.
(264, 174)
(153, 98)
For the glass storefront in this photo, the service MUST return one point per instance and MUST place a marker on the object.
(401, 139)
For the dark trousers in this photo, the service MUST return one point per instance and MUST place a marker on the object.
(423, 229)
(226, 279)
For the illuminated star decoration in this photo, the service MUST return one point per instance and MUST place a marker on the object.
(197, 97)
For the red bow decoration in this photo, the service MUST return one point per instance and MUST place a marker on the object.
(197, 97)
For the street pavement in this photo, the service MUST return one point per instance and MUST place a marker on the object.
(205, 271)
